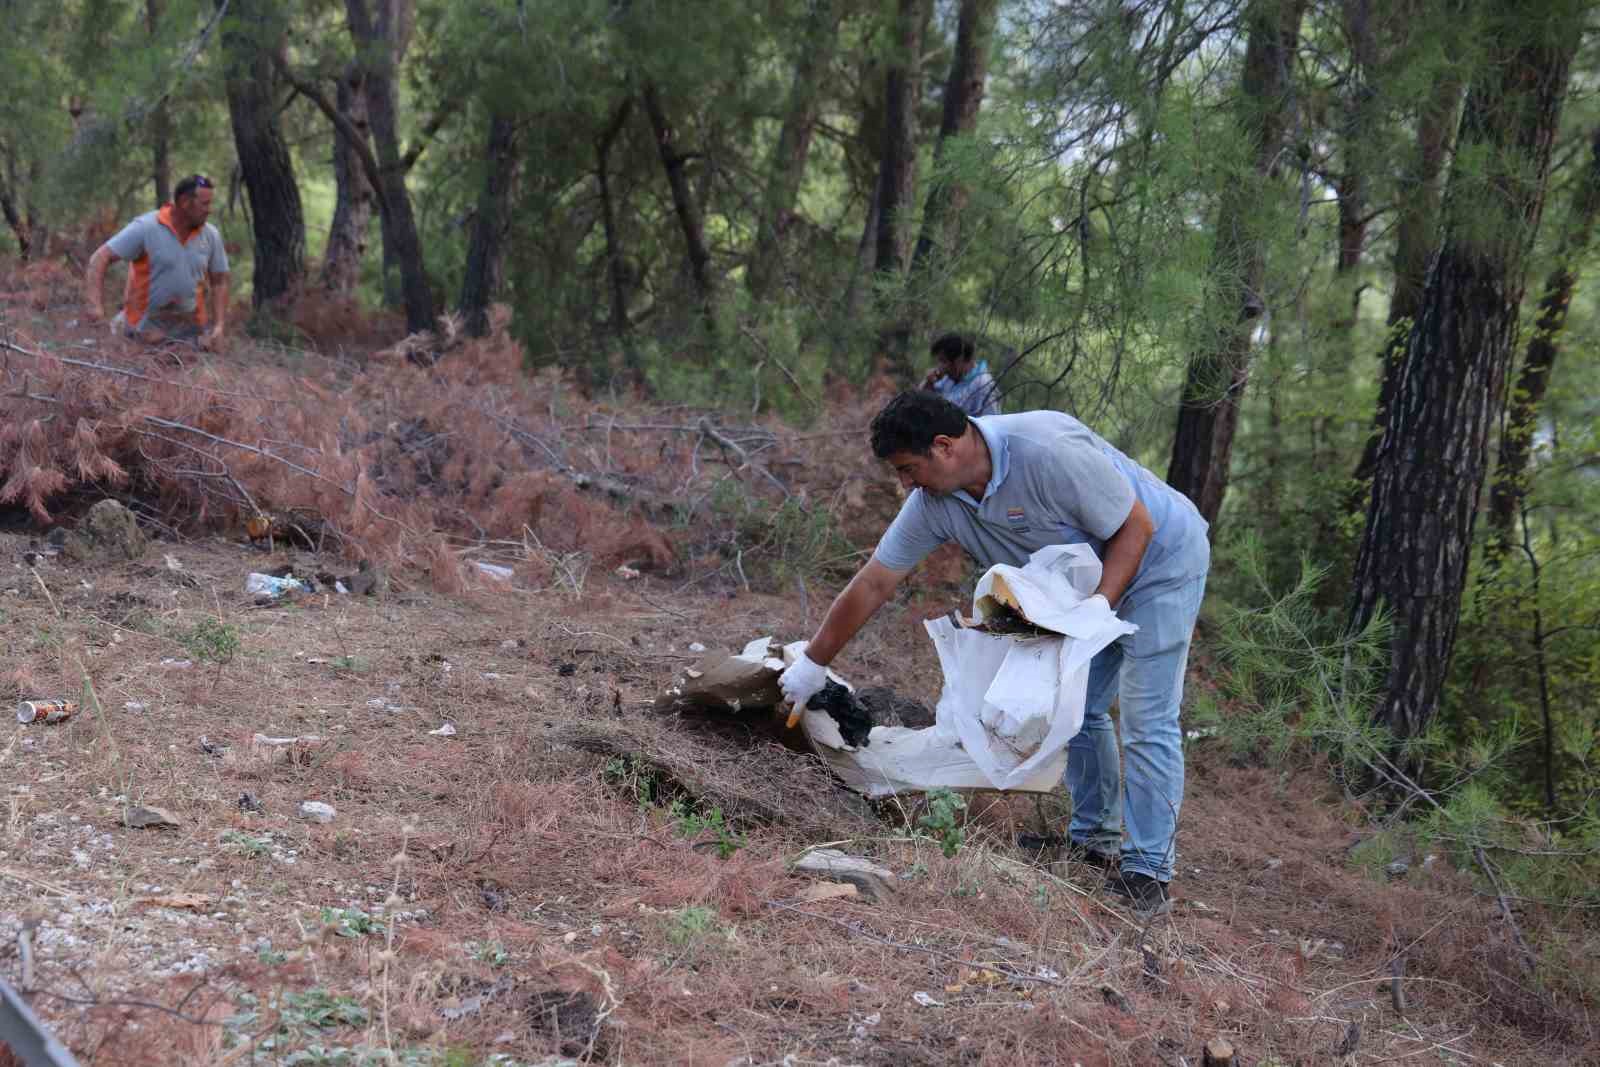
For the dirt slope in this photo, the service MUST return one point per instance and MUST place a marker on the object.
(566, 875)
(562, 882)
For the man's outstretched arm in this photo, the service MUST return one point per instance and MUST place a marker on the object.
(94, 281)
(872, 585)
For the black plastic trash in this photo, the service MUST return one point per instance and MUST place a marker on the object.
(855, 721)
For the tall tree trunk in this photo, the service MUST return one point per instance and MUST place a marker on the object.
(897, 166)
(485, 251)
(1416, 232)
(963, 96)
(352, 208)
(866, 261)
(160, 118)
(616, 269)
(1522, 417)
(380, 29)
(8, 202)
(1431, 462)
(683, 201)
(250, 34)
(787, 164)
(1214, 385)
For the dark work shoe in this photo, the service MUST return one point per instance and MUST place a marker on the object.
(1039, 848)
(1142, 893)
(1079, 852)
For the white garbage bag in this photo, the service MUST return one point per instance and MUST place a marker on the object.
(1010, 704)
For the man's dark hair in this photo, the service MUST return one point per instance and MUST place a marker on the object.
(911, 421)
(188, 185)
(953, 346)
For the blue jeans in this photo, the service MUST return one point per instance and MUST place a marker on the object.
(1147, 669)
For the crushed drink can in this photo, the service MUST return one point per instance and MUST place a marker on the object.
(45, 711)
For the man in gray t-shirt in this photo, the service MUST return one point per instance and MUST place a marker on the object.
(174, 257)
(1002, 487)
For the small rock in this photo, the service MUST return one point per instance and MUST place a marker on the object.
(369, 581)
(696, 646)
(874, 882)
(108, 532)
(827, 891)
(1397, 869)
(133, 705)
(317, 810)
(141, 817)
(249, 802)
(508, 645)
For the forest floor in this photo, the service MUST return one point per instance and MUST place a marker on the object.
(572, 876)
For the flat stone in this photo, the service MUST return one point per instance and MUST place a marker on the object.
(825, 890)
(874, 882)
(142, 817)
(317, 811)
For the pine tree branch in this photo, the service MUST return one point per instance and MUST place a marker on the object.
(341, 122)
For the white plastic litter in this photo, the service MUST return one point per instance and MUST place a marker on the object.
(494, 570)
(271, 585)
(447, 730)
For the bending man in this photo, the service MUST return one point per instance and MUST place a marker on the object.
(960, 377)
(174, 255)
(1002, 487)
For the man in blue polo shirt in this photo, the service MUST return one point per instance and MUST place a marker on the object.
(960, 377)
(1004, 486)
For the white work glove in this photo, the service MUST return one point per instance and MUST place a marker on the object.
(803, 680)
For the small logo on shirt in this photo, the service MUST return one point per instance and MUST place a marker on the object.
(1017, 520)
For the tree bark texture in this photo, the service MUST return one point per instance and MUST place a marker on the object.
(485, 250)
(787, 165)
(352, 206)
(1214, 384)
(19, 227)
(963, 96)
(1527, 396)
(380, 29)
(1416, 232)
(1433, 455)
(683, 202)
(616, 268)
(160, 118)
(251, 32)
(897, 166)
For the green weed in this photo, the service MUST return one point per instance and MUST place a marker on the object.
(211, 641)
(943, 822)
